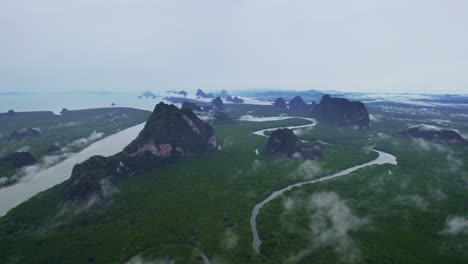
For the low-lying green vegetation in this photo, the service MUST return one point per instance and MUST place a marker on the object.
(397, 214)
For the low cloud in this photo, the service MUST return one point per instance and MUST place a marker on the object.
(298, 132)
(70, 209)
(383, 135)
(257, 166)
(87, 140)
(377, 183)
(3, 180)
(441, 121)
(404, 183)
(455, 225)
(67, 124)
(375, 117)
(227, 143)
(427, 146)
(229, 240)
(437, 194)
(413, 200)
(454, 164)
(24, 149)
(45, 162)
(331, 221)
(140, 260)
(308, 169)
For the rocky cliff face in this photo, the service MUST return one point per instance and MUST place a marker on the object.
(217, 103)
(202, 94)
(341, 111)
(280, 103)
(170, 131)
(285, 144)
(434, 134)
(297, 104)
(191, 106)
(236, 99)
(170, 135)
(223, 94)
(183, 93)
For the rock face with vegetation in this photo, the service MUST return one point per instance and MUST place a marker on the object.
(223, 93)
(202, 94)
(285, 144)
(217, 103)
(18, 159)
(191, 106)
(297, 104)
(434, 134)
(169, 135)
(280, 103)
(236, 99)
(148, 94)
(341, 111)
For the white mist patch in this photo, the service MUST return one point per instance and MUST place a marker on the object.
(427, 146)
(308, 169)
(140, 260)
(454, 164)
(252, 118)
(377, 183)
(441, 121)
(383, 135)
(28, 172)
(423, 127)
(87, 140)
(257, 166)
(70, 209)
(455, 225)
(404, 184)
(229, 240)
(298, 132)
(227, 143)
(374, 118)
(67, 124)
(208, 117)
(331, 221)
(437, 194)
(413, 200)
(45, 162)
(3, 180)
(289, 204)
(24, 149)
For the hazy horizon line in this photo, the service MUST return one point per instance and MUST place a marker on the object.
(328, 91)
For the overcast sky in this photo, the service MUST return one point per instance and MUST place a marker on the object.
(132, 45)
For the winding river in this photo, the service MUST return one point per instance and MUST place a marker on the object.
(14, 195)
(383, 158)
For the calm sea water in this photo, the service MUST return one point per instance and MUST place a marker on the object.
(55, 102)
